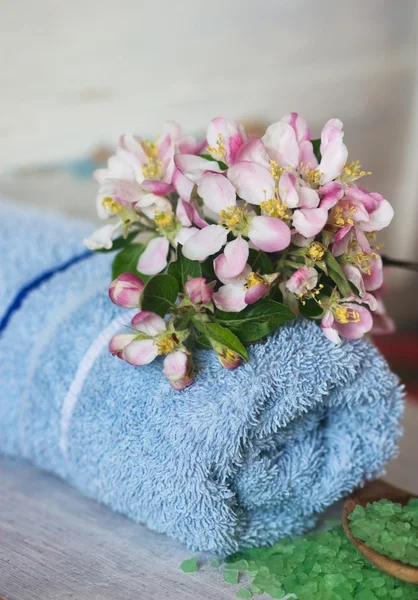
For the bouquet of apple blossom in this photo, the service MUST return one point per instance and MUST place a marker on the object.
(219, 242)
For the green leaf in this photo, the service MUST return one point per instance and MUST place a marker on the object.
(217, 334)
(257, 320)
(260, 262)
(119, 243)
(337, 274)
(182, 269)
(316, 145)
(126, 261)
(160, 294)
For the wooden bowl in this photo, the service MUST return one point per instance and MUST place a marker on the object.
(376, 490)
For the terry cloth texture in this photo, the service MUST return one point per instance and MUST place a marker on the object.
(240, 458)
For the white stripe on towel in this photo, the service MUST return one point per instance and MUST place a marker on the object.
(41, 346)
(84, 368)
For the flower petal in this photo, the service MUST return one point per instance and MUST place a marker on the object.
(328, 328)
(194, 167)
(289, 189)
(154, 258)
(118, 343)
(253, 150)
(205, 242)
(374, 280)
(230, 298)
(140, 352)
(159, 188)
(281, 144)
(103, 237)
(221, 268)
(149, 323)
(255, 292)
(333, 151)
(379, 218)
(269, 234)
(299, 125)
(216, 192)
(252, 182)
(184, 234)
(353, 274)
(182, 185)
(308, 198)
(330, 194)
(309, 221)
(236, 254)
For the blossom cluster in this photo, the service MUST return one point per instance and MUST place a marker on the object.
(222, 240)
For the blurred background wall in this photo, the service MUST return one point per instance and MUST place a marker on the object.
(74, 75)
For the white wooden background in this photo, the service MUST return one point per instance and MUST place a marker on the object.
(77, 74)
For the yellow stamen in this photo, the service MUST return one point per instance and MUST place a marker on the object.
(316, 251)
(346, 315)
(166, 344)
(111, 205)
(253, 279)
(163, 219)
(233, 216)
(275, 208)
(343, 215)
(311, 176)
(275, 170)
(152, 169)
(219, 151)
(353, 170)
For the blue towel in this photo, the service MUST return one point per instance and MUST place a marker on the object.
(240, 458)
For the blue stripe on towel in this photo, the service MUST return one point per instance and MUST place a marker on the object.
(35, 283)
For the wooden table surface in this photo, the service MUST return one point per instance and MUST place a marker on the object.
(56, 545)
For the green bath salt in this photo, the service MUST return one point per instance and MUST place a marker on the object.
(389, 528)
(319, 566)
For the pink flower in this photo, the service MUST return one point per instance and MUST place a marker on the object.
(348, 318)
(225, 137)
(126, 290)
(199, 291)
(303, 280)
(178, 370)
(266, 233)
(239, 292)
(151, 336)
(288, 142)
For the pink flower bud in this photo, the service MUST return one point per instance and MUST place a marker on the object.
(228, 358)
(126, 290)
(199, 291)
(118, 343)
(178, 370)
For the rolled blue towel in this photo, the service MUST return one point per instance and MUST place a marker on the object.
(239, 458)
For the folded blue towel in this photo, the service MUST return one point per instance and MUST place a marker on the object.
(239, 458)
